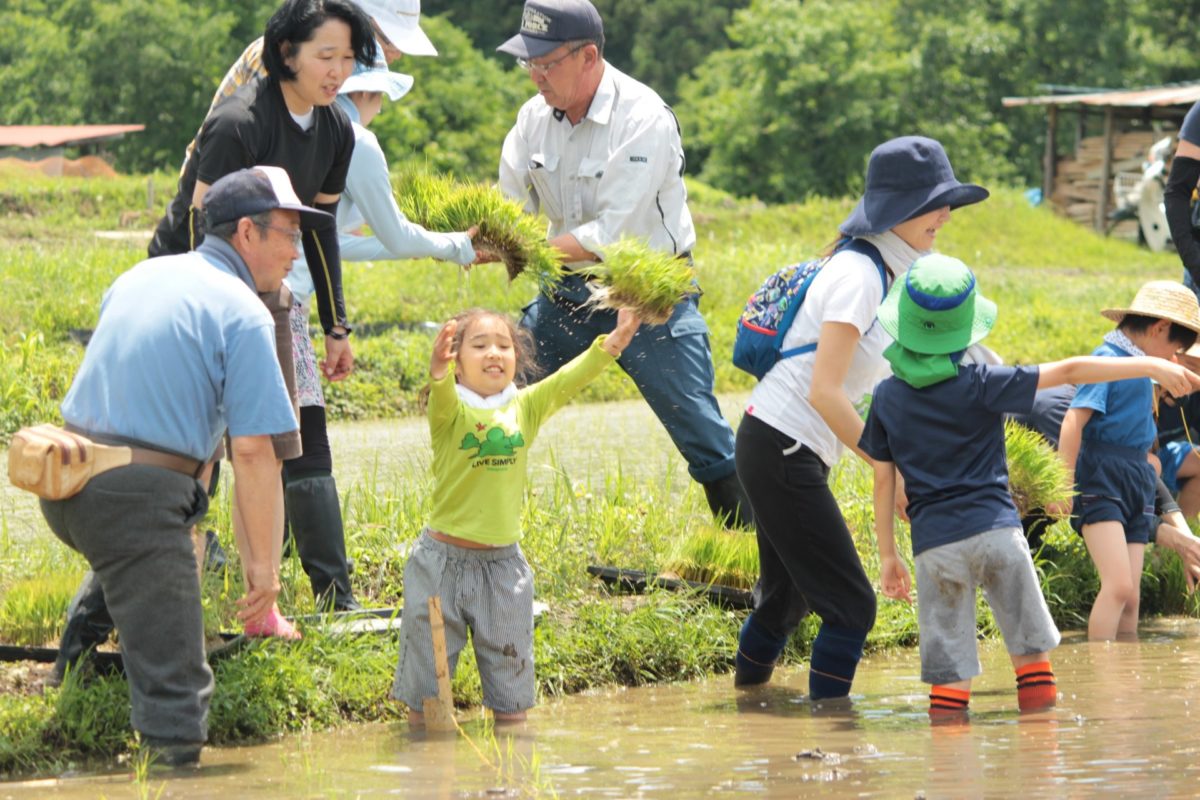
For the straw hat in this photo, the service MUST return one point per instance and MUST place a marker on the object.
(1162, 300)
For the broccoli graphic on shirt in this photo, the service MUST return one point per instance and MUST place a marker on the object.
(495, 443)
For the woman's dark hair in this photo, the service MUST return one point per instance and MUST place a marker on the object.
(294, 22)
(1139, 323)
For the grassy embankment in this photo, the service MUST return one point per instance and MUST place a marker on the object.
(1050, 277)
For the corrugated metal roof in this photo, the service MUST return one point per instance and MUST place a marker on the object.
(1180, 95)
(59, 135)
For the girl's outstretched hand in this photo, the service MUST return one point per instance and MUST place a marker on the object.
(627, 325)
(443, 351)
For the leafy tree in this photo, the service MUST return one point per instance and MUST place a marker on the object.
(798, 102)
(461, 106)
(116, 61)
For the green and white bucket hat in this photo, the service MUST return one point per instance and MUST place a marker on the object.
(936, 308)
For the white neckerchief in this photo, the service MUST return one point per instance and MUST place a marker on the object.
(1117, 338)
(475, 400)
(897, 253)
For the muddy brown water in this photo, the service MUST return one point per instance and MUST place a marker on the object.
(1123, 727)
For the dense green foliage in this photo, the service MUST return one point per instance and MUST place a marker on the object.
(781, 99)
(795, 106)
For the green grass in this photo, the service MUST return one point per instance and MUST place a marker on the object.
(1050, 278)
(32, 610)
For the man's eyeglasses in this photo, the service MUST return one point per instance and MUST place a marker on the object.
(544, 69)
(296, 235)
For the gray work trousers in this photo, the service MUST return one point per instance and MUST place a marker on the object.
(132, 525)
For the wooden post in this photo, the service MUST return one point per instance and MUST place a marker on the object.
(439, 711)
(1102, 203)
(1050, 159)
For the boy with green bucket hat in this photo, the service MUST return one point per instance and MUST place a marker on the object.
(941, 423)
(1105, 437)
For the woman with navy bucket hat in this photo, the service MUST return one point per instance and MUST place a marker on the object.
(806, 411)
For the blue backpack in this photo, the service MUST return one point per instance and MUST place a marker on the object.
(769, 312)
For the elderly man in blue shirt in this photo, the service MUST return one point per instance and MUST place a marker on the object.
(184, 350)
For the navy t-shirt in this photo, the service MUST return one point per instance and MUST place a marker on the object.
(1190, 130)
(947, 440)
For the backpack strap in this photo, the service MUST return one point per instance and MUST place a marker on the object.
(862, 247)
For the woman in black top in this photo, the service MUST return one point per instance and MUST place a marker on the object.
(287, 119)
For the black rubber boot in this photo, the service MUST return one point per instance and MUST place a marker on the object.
(315, 516)
(728, 502)
(88, 624)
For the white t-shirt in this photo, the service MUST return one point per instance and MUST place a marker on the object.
(847, 289)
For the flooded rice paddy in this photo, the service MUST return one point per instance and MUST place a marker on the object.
(1124, 727)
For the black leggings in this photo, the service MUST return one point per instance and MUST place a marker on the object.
(806, 554)
(314, 437)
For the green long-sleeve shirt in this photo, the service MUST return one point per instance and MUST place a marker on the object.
(480, 454)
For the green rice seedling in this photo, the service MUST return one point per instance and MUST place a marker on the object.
(1036, 475)
(518, 239)
(33, 609)
(712, 555)
(634, 276)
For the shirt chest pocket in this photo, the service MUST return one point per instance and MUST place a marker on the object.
(587, 183)
(547, 183)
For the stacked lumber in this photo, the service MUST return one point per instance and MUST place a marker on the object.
(1077, 178)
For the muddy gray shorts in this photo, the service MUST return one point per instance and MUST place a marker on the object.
(486, 592)
(999, 561)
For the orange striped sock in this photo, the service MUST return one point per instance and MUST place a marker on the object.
(1036, 687)
(944, 701)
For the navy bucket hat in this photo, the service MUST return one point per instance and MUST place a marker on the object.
(907, 177)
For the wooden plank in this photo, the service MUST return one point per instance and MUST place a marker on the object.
(439, 711)
(1106, 174)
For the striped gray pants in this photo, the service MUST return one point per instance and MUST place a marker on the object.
(486, 592)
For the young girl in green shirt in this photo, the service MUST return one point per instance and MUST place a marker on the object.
(481, 426)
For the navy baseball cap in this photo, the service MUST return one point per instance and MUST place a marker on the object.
(547, 24)
(252, 191)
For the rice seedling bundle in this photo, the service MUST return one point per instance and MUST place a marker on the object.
(33, 610)
(715, 556)
(440, 203)
(634, 276)
(1036, 475)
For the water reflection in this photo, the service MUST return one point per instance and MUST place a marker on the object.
(1123, 726)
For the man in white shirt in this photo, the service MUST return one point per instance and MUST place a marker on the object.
(600, 155)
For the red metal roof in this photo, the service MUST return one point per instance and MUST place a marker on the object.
(58, 135)
(1182, 95)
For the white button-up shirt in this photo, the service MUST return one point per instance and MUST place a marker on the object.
(618, 172)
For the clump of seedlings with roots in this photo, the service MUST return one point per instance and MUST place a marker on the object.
(632, 275)
(440, 203)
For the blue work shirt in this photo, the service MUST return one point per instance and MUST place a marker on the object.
(947, 440)
(1124, 410)
(183, 350)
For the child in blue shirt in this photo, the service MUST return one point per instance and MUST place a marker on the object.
(941, 424)
(1105, 440)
